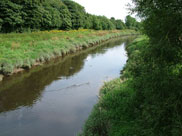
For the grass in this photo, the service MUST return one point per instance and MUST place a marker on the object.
(112, 115)
(27, 49)
(108, 117)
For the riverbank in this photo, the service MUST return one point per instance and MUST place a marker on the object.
(112, 116)
(20, 77)
(23, 51)
(60, 93)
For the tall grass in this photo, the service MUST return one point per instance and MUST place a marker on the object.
(28, 49)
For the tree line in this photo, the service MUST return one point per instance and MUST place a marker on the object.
(33, 15)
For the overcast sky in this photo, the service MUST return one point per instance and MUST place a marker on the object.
(108, 8)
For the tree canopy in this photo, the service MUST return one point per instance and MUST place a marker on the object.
(131, 23)
(32, 15)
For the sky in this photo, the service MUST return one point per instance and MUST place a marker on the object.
(108, 8)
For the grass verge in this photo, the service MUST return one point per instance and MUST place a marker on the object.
(22, 51)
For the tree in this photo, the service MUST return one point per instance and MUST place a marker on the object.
(88, 21)
(96, 23)
(65, 17)
(78, 14)
(33, 15)
(1, 22)
(157, 79)
(63, 14)
(11, 16)
(131, 23)
(120, 25)
(162, 19)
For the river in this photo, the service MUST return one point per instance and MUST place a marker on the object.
(56, 98)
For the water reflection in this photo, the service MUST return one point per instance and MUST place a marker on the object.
(25, 99)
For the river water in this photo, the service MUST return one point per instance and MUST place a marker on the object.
(55, 99)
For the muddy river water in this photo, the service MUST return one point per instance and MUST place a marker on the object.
(55, 99)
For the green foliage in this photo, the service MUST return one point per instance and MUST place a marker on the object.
(96, 23)
(25, 15)
(88, 21)
(119, 24)
(35, 15)
(158, 90)
(78, 14)
(65, 17)
(131, 23)
(11, 16)
(1, 21)
(157, 78)
(163, 26)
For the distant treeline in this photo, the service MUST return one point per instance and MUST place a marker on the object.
(33, 15)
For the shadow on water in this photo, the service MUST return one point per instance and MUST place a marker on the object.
(25, 89)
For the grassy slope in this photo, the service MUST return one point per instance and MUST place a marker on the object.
(27, 49)
(111, 116)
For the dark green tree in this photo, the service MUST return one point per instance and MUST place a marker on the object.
(113, 20)
(63, 18)
(106, 23)
(10, 16)
(88, 21)
(120, 24)
(157, 78)
(1, 22)
(131, 23)
(78, 14)
(34, 15)
(96, 23)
